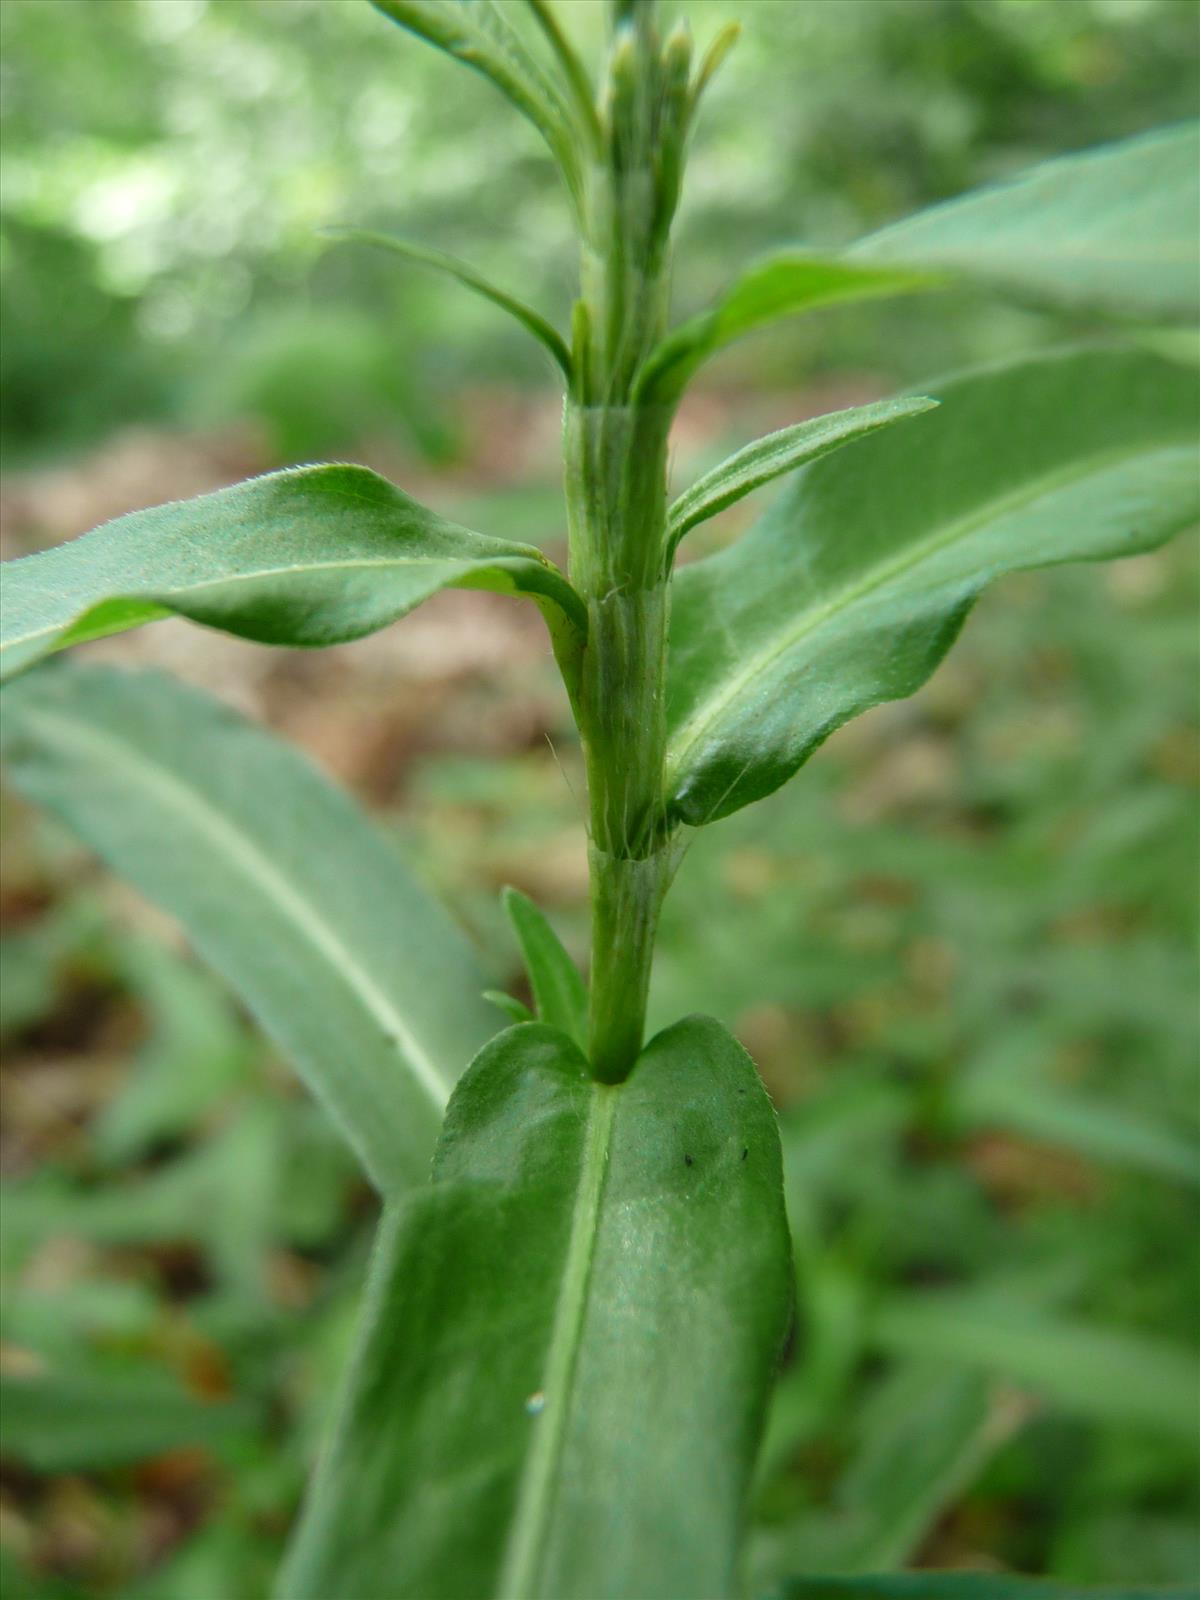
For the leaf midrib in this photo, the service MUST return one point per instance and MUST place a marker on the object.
(302, 913)
(526, 1546)
(710, 711)
(161, 597)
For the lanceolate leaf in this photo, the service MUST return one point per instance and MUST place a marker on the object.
(558, 989)
(778, 453)
(853, 587)
(1115, 229)
(515, 1010)
(529, 319)
(309, 556)
(780, 285)
(280, 882)
(959, 1586)
(568, 1339)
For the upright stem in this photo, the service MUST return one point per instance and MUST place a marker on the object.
(615, 493)
(616, 477)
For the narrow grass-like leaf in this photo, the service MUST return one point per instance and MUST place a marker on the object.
(306, 557)
(559, 991)
(573, 70)
(923, 1438)
(619, 1256)
(1115, 229)
(529, 319)
(855, 584)
(960, 1586)
(72, 1421)
(1027, 1105)
(1093, 1371)
(280, 882)
(781, 452)
(514, 1009)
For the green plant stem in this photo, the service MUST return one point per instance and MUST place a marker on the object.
(616, 493)
(616, 480)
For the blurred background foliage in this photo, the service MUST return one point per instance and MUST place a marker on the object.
(960, 946)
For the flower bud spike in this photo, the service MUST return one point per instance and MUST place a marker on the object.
(714, 57)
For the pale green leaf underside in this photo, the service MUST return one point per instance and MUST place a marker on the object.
(559, 991)
(1115, 230)
(280, 882)
(855, 584)
(781, 452)
(306, 557)
(619, 1255)
(960, 1586)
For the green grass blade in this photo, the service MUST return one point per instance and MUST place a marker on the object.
(960, 1586)
(1096, 1372)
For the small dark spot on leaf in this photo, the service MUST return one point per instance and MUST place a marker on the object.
(745, 1153)
(687, 1161)
(741, 1091)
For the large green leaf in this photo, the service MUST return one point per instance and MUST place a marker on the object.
(1115, 229)
(568, 1339)
(309, 556)
(281, 883)
(958, 1586)
(855, 584)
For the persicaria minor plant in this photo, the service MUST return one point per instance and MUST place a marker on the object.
(571, 1330)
